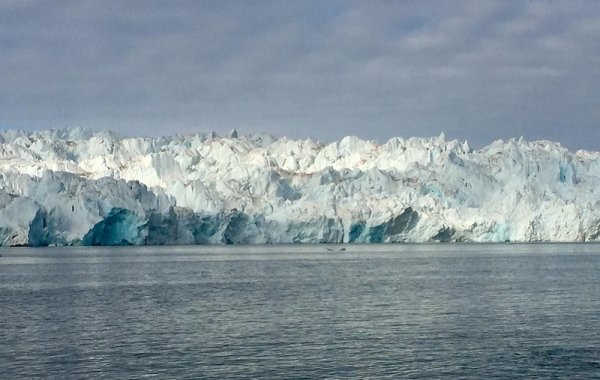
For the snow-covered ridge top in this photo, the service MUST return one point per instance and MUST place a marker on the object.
(216, 161)
(99, 154)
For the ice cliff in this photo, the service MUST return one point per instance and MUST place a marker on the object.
(73, 186)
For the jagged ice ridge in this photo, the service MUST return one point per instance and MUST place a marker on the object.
(73, 186)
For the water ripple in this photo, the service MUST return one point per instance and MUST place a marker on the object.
(359, 314)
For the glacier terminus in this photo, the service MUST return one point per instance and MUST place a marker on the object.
(79, 187)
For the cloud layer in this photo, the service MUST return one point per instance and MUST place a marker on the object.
(476, 70)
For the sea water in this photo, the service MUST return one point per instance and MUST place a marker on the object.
(306, 311)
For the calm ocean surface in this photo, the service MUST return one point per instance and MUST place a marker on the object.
(401, 311)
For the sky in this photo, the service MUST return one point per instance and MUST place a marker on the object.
(475, 70)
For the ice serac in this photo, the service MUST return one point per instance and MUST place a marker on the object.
(74, 186)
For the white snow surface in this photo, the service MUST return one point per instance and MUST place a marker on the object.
(74, 186)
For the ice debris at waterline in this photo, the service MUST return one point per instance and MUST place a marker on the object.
(72, 186)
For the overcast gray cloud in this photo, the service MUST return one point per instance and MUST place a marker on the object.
(476, 70)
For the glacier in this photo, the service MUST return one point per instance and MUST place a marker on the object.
(81, 187)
